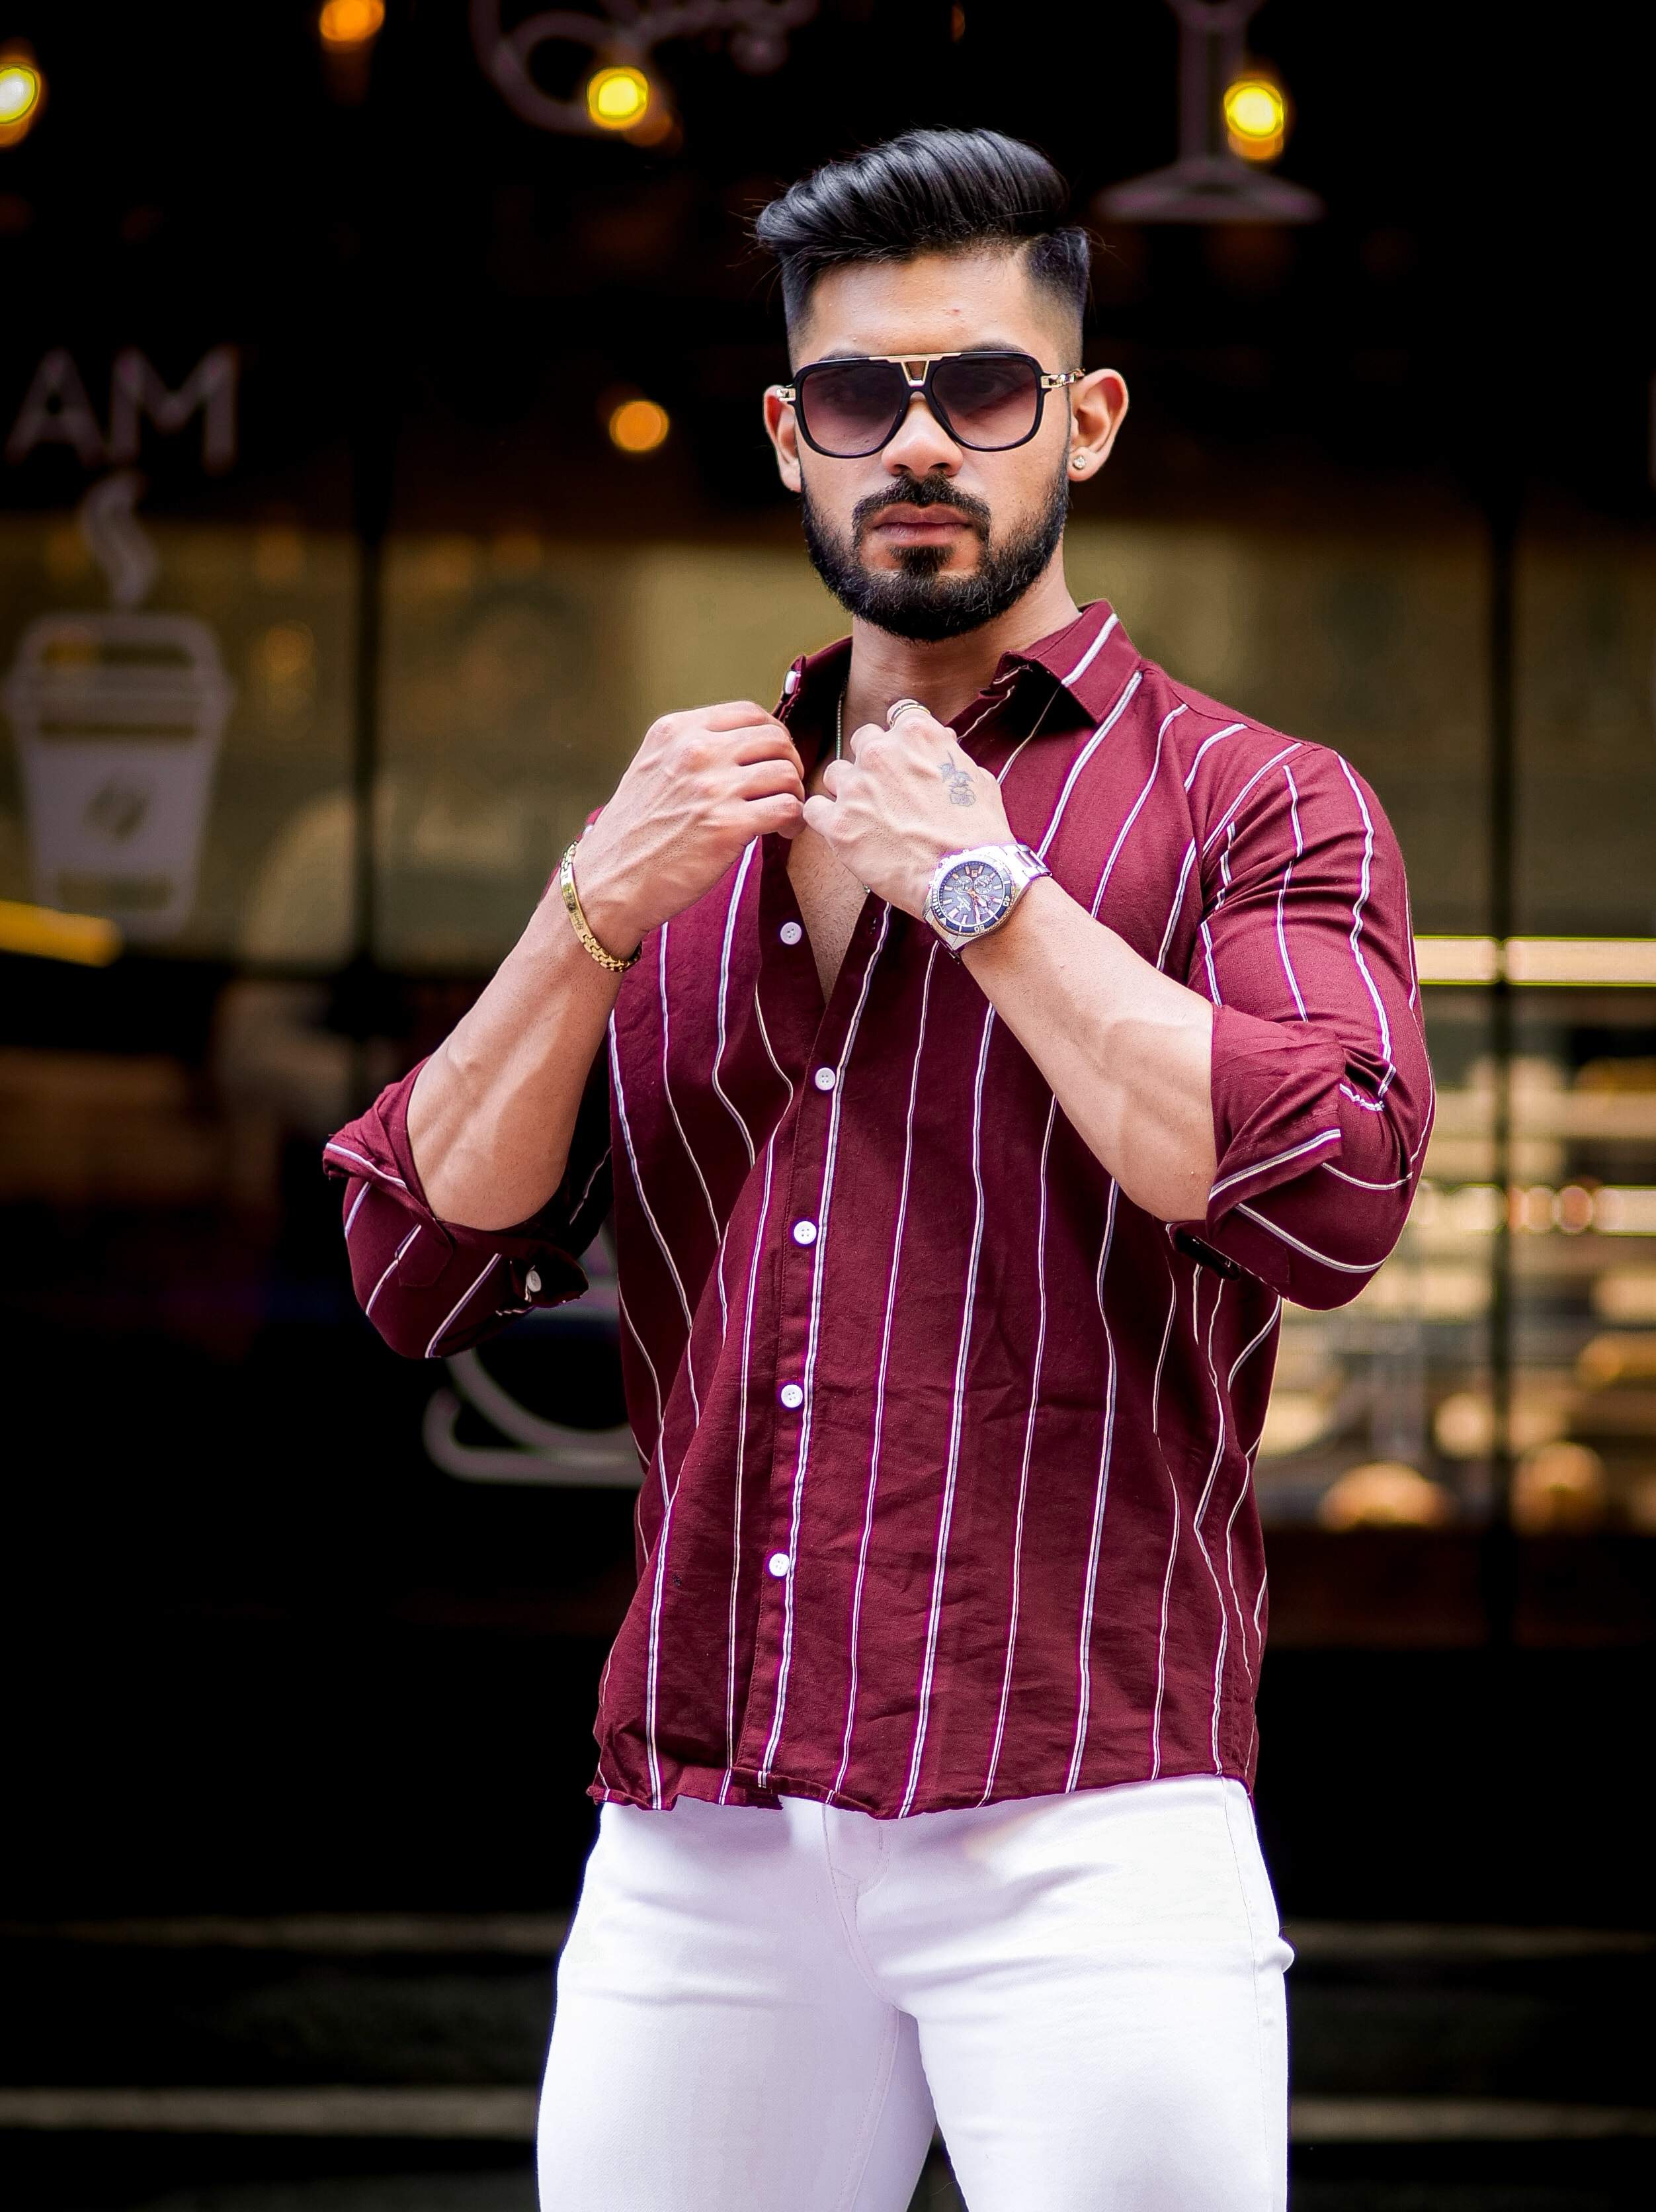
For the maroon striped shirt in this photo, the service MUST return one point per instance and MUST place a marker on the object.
(948, 1445)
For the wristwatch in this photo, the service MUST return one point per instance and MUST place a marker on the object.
(973, 892)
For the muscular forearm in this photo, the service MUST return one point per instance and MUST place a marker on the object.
(1127, 1051)
(493, 1113)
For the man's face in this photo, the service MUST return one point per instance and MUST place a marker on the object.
(927, 539)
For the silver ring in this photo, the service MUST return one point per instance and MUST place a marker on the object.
(901, 706)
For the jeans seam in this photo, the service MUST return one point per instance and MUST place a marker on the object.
(877, 2097)
(1253, 1963)
(859, 1958)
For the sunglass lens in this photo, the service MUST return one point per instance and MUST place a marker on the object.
(850, 410)
(989, 399)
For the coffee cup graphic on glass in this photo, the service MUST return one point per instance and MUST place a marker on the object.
(118, 717)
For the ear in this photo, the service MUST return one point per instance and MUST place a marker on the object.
(1098, 408)
(782, 429)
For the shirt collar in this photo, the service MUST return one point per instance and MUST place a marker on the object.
(1092, 657)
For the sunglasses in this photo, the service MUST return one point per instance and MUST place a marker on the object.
(988, 402)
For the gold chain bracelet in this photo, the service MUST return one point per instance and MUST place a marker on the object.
(577, 920)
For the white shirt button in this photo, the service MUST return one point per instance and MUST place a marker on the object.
(532, 1281)
(791, 1396)
(790, 933)
(824, 1079)
(778, 1565)
(805, 1232)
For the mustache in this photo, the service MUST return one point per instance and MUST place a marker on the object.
(909, 491)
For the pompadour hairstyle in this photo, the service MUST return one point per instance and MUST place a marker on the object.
(928, 191)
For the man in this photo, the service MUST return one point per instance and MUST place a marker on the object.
(955, 1198)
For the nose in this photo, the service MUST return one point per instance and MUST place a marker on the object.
(921, 444)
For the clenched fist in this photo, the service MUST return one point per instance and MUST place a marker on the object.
(902, 798)
(701, 786)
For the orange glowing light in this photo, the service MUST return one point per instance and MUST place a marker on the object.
(638, 425)
(617, 98)
(23, 92)
(1256, 118)
(344, 23)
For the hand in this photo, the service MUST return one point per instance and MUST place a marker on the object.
(903, 798)
(701, 786)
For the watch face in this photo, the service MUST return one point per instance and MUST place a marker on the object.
(972, 896)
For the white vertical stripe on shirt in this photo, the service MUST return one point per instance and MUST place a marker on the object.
(460, 1305)
(741, 1467)
(1225, 819)
(1356, 931)
(765, 1039)
(1134, 810)
(390, 1268)
(1084, 1654)
(1092, 652)
(1173, 1542)
(1023, 1471)
(620, 1094)
(819, 1249)
(653, 1664)
(951, 1465)
(1086, 754)
(1201, 1509)
(695, 1164)
(724, 991)
(880, 1376)
(1229, 730)
(1282, 891)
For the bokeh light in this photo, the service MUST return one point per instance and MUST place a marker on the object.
(617, 98)
(638, 425)
(22, 89)
(1256, 118)
(350, 23)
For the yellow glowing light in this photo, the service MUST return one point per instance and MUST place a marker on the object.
(1256, 118)
(616, 99)
(350, 23)
(638, 425)
(86, 939)
(1563, 963)
(21, 90)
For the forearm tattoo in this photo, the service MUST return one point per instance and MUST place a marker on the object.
(958, 777)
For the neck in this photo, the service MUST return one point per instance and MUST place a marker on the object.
(947, 677)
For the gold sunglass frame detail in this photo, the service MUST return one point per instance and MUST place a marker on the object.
(1046, 379)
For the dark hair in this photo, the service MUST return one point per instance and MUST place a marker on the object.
(928, 191)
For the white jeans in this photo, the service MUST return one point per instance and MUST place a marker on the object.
(762, 2011)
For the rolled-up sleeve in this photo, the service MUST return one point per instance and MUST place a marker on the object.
(432, 1287)
(1322, 1092)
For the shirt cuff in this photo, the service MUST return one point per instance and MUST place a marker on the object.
(1276, 1101)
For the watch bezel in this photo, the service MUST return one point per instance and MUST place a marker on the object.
(989, 859)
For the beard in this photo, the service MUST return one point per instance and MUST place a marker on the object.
(914, 600)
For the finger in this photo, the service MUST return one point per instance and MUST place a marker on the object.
(918, 724)
(867, 733)
(819, 814)
(832, 777)
(735, 714)
(782, 815)
(765, 741)
(767, 779)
